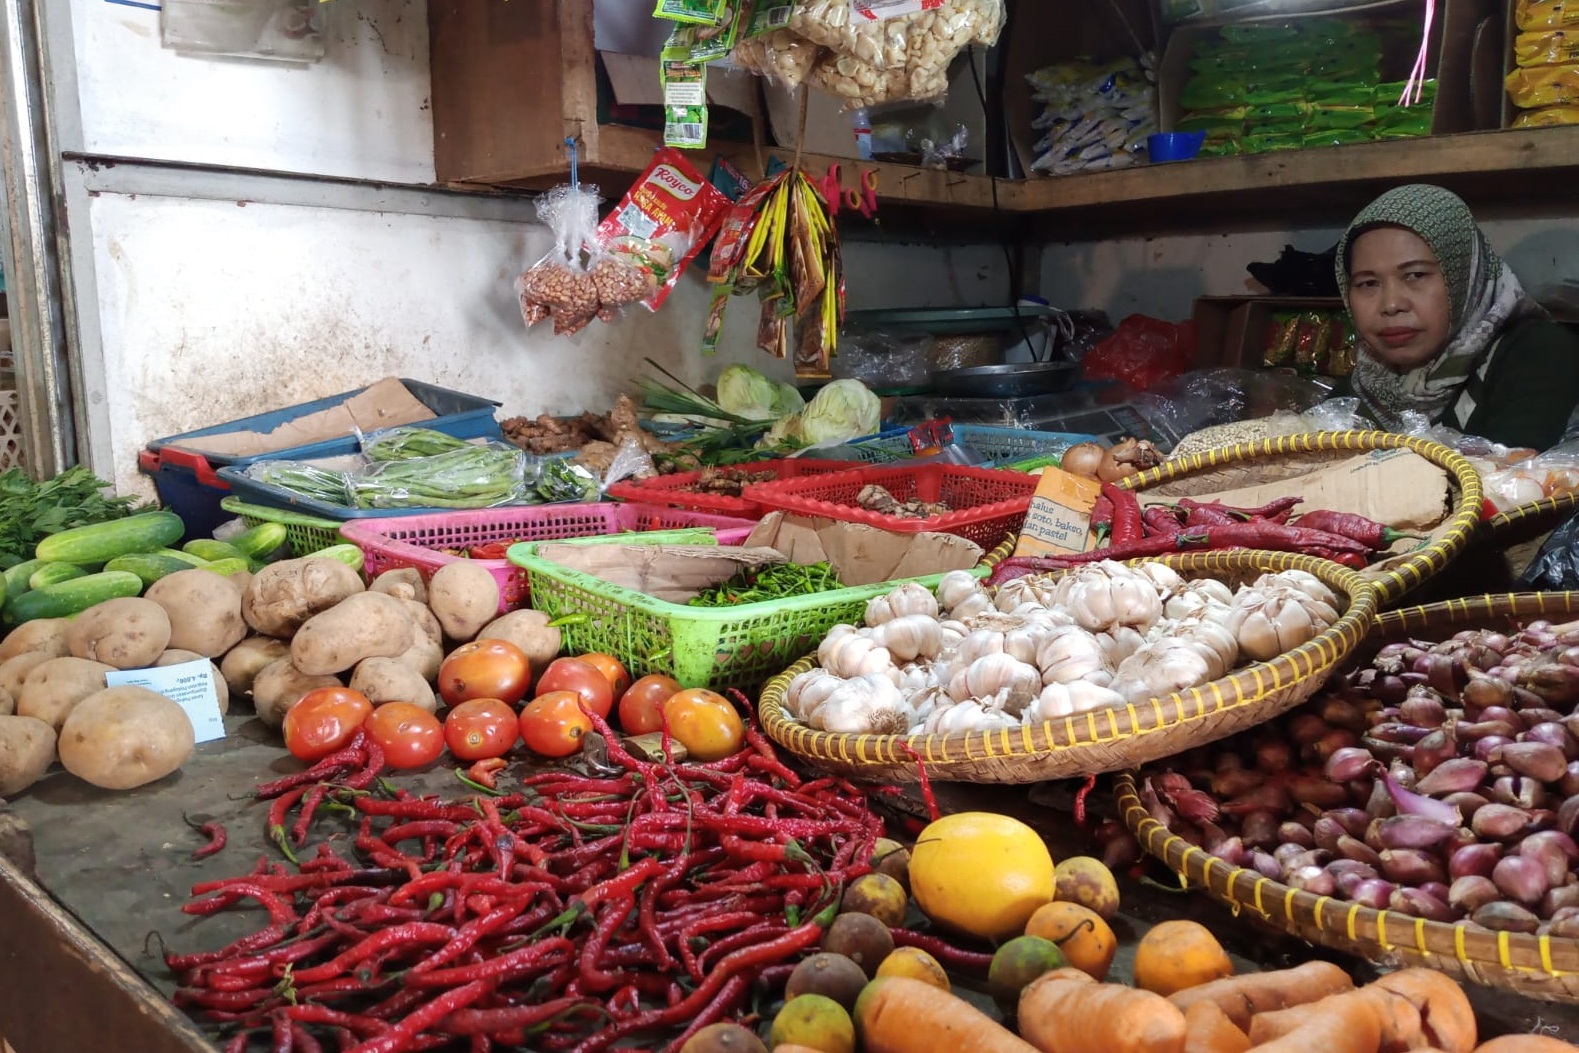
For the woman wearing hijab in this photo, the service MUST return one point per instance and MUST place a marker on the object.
(1446, 330)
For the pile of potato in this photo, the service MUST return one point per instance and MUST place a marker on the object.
(294, 626)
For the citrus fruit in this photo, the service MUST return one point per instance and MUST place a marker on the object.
(1179, 954)
(878, 895)
(1084, 880)
(861, 938)
(815, 1022)
(1081, 933)
(830, 975)
(980, 874)
(1020, 961)
(916, 964)
(724, 1038)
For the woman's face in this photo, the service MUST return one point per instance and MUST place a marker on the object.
(1398, 297)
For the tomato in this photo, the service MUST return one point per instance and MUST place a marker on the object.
(481, 728)
(639, 705)
(584, 678)
(409, 735)
(705, 723)
(613, 671)
(323, 720)
(553, 724)
(485, 669)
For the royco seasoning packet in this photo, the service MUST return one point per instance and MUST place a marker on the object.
(663, 221)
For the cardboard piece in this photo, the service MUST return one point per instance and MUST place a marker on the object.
(385, 404)
(667, 572)
(635, 82)
(862, 554)
(1059, 520)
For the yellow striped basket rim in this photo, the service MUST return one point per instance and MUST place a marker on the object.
(1101, 740)
(1403, 575)
(1536, 966)
(1547, 510)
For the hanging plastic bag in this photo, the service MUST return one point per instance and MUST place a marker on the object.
(574, 282)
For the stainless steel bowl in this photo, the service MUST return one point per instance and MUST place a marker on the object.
(1014, 380)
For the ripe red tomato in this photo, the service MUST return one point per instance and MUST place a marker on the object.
(613, 671)
(481, 728)
(705, 723)
(409, 735)
(323, 720)
(485, 669)
(553, 724)
(584, 678)
(639, 706)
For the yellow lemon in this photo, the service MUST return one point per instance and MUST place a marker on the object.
(981, 874)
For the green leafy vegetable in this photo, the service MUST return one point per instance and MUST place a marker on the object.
(30, 511)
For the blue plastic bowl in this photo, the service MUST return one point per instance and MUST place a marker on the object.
(1174, 146)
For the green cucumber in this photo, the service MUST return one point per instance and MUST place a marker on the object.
(226, 567)
(52, 573)
(149, 566)
(67, 598)
(206, 548)
(348, 554)
(102, 542)
(260, 541)
(16, 577)
(185, 557)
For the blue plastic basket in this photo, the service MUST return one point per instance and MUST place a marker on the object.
(999, 445)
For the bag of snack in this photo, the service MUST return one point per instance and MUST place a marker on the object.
(661, 224)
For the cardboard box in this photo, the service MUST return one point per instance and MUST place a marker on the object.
(1230, 330)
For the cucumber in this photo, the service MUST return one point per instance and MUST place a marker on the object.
(16, 577)
(51, 573)
(185, 557)
(226, 567)
(67, 598)
(207, 549)
(149, 566)
(260, 541)
(102, 542)
(348, 554)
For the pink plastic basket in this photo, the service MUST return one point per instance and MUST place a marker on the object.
(419, 541)
(671, 489)
(987, 503)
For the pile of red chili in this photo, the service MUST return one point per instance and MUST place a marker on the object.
(1199, 526)
(639, 906)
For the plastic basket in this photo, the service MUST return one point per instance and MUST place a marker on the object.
(304, 534)
(987, 503)
(671, 490)
(698, 646)
(999, 445)
(420, 541)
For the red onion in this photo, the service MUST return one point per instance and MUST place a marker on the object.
(1414, 902)
(1373, 893)
(1410, 803)
(1264, 864)
(1410, 866)
(1397, 732)
(1426, 711)
(1353, 820)
(1466, 803)
(1269, 797)
(1436, 890)
(1564, 926)
(1390, 690)
(1554, 850)
(1381, 802)
(1505, 917)
(1274, 755)
(1519, 791)
(1305, 728)
(1314, 880)
(1568, 785)
(1554, 682)
(1460, 774)
(1538, 760)
(1536, 715)
(1285, 854)
(1433, 750)
(1325, 833)
(1232, 782)
(1233, 852)
(1292, 833)
(1521, 879)
(1488, 747)
(1471, 892)
(1314, 790)
(1477, 859)
(1259, 829)
(1568, 816)
(1480, 729)
(1500, 822)
(1342, 713)
(1564, 897)
(1348, 763)
(1354, 848)
(1413, 831)
(1485, 690)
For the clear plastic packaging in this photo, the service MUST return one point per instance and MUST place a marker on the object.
(881, 359)
(780, 55)
(484, 475)
(658, 228)
(575, 281)
(1212, 408)
(583, 479)
(894, 59)
(1093, 116)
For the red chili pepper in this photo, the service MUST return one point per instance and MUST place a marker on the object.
(315, 796)
(1080, 799)
(486, 772)
(1127, 525)
(1101, 519)
(351, 755)
(1351, 525)
(927, 796)
(216, 834)
(490, 550)
(506, 1018)
(416, 933)
(1020, 566)
(276, 823)
(728, 997)
(1199, 513)
(1266, 511)
(1160, 521)
(946, 953)
(1276, 536)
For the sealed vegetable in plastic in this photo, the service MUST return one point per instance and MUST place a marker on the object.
(565, 479)
(483, 475)
(407, 441)
(301, 477)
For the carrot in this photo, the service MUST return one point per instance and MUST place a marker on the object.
(1062, 1014)
(1242, 997)
(1445, 1013)
(1525, 1044)
(1207, 1029)
(900, 1015)
(1397, 1021)
(1344, 1023)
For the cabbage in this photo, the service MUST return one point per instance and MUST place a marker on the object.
(788, 401)
(786, 431)
(746, 393)
(844, 410)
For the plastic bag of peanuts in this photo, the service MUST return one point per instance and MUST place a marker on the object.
(575, 281)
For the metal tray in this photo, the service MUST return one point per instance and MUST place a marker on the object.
(1006, 381)
(953, 321)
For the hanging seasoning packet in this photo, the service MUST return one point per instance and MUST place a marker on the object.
(715, 42)
(684, 85)
(695, 12)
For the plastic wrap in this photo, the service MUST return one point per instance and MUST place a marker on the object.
(1552, 47)
(1211, 408)
(1093, 116)
(882, 359)
(892, 59)
(485, 475)
(1540, 86)
(1532, 15)
(1142, 352)
(563, 480)
(1555, 567)
(1547, 117)
(780, 55)
(561, 286)
(1514, 477)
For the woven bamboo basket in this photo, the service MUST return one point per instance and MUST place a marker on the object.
(1536, 966)
(1101, 740)
(1289, 456)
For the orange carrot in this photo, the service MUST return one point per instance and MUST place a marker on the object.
(1062, 1014)
(1345, 1023)
(1242, 997)
(1207, 1029)
(1446, 1016)
(1397, 1021)
(1525, 1044)
(900, 1015)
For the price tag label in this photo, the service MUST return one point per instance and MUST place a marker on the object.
(189, 685)
(1059, 520)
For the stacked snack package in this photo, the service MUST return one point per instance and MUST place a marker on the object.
(1093, 115)
(865, 52)
(1545, 84)
(1287, 86)
(1314, 343)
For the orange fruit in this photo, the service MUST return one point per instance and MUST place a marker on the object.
(1176, 955)
(981, 874)
(1085, 938)
(916, 964)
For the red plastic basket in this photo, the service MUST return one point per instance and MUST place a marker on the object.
(671, 489)
(987, 503)
(417, 541)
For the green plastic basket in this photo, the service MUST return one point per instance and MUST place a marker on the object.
(699, 646)
(304, 534)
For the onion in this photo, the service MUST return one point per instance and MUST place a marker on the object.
(1111, 470)
(1082, 458)
(1128, 457)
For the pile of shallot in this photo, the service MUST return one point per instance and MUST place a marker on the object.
(1441, 780)
(1041, 648)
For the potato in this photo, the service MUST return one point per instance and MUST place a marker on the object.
(367, 625)
(46, 635)
(54, 689)
(423, 657)
(27, 749)
(391, 680)
(465, 597)
(404, 582)
(7, 703)
(176, 656)
(204, 610)
(125, 737)
(423, 618)
(128, 633)
(13, 671)
(242, 662)
(280, 685)
(283, 595)
(530, 631)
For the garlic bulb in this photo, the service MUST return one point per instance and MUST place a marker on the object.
(1269, 622)
(979, 644)
(909, 636)
(966, 716)
(1201, 598)
(845, 652)
(971, 605)
(807, 692)
(1106, 594)
(1161, 668)
(951, 633)
(1069, 653)
(1119, 643)
(1065, 700)
(908, 598)
(925, 703)
(1304, 581)
(866, 705)
(1033, 589)
(1216, 641)
(1007, 681)
(956, 587)
(916, 677)
(1022, 644)
(1163, 577)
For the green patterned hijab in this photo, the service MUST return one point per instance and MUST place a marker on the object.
(1484, 295)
